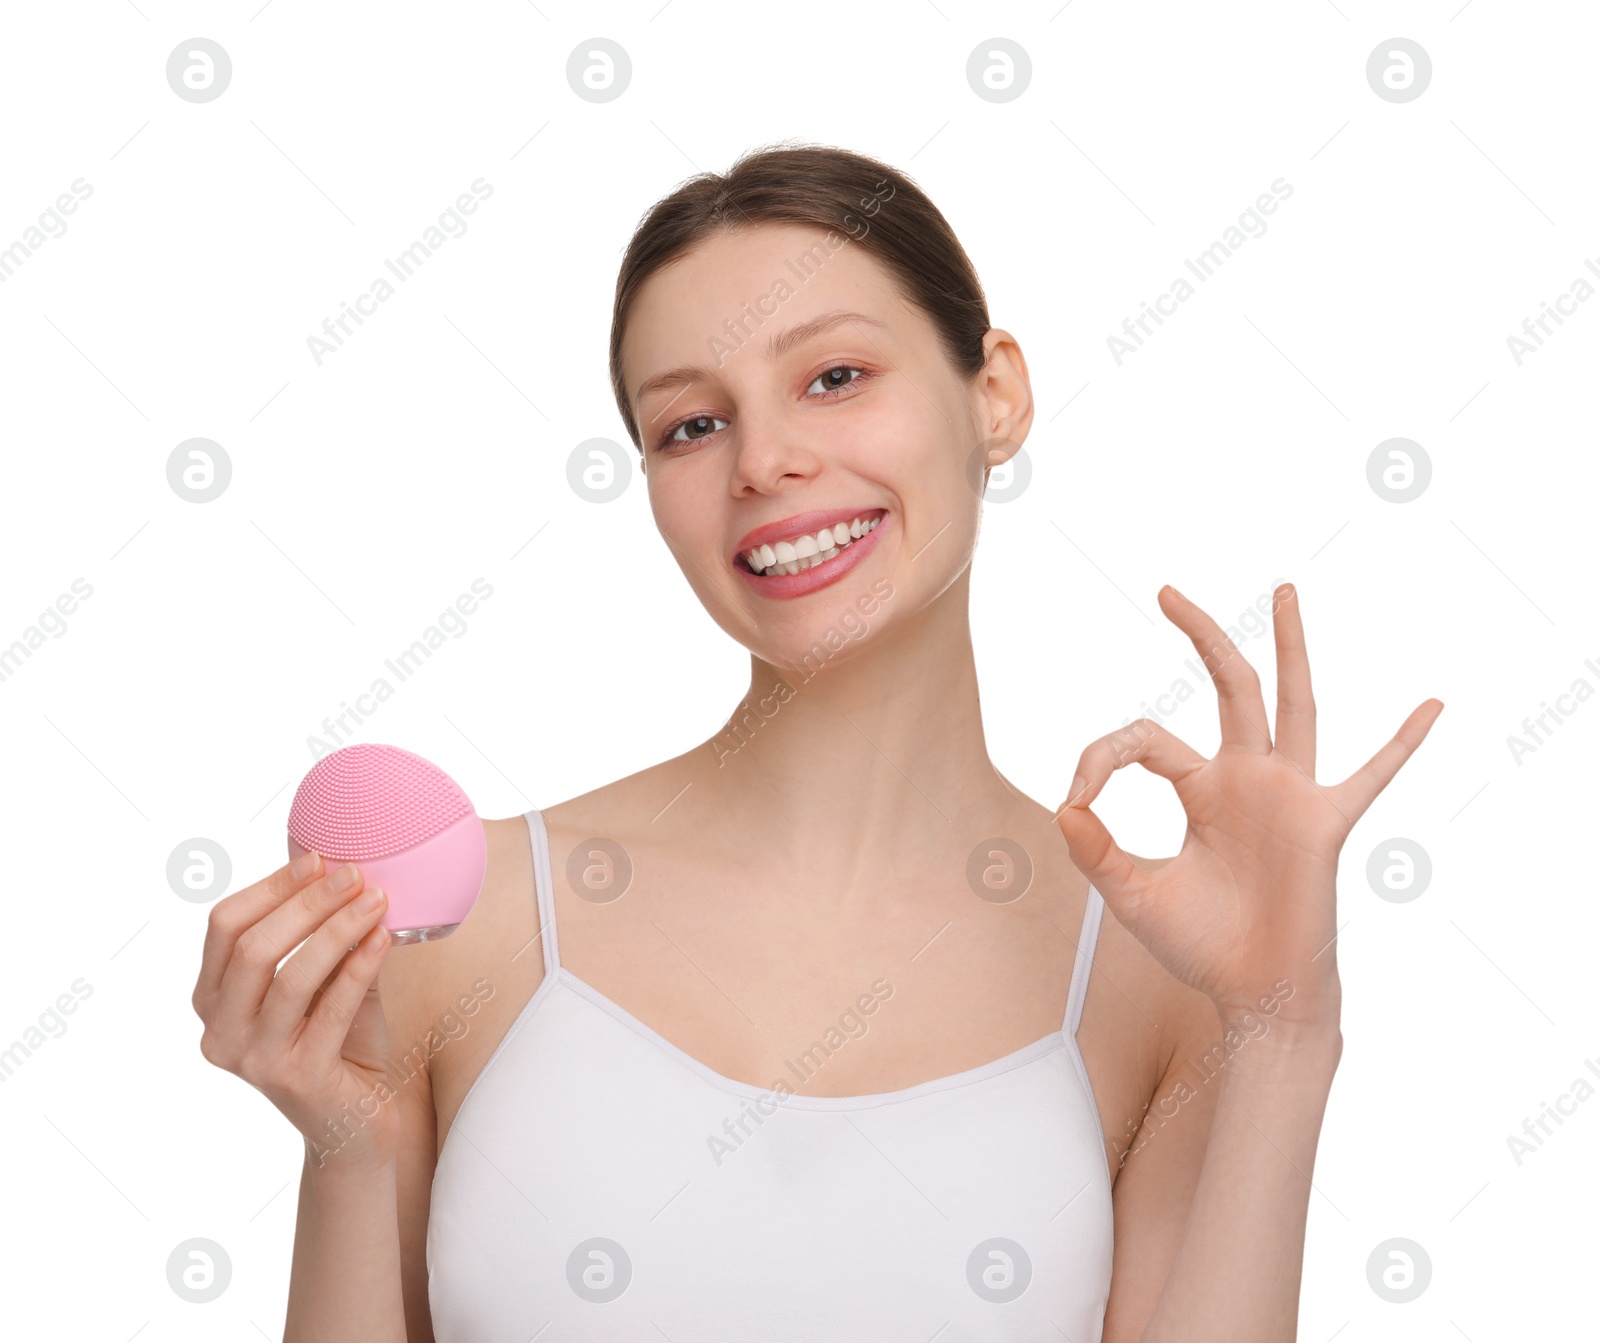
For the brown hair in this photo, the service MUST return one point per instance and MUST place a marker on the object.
(834, 189)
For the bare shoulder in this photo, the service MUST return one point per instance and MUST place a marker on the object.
(437, 993)
(500, 939)
(420, 982)
(504, 923)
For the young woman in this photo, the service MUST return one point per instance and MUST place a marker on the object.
(822, 1030)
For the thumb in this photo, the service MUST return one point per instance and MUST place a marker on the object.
(1099, 858)
(367, 1043)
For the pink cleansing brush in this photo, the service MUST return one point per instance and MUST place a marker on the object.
(405, 823)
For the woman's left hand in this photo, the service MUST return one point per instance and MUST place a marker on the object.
(1249, 899)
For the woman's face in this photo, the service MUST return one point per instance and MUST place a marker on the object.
(787, 387)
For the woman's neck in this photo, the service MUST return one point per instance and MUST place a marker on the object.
(863, 751)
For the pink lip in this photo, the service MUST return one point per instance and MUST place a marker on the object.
(812, 522)
(784, 586)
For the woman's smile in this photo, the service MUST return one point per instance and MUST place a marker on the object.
(815, 567)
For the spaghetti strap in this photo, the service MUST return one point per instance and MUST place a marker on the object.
(544, 889)
(1082, 960)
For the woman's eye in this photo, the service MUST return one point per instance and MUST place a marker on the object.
(833, 379)
(699, 427)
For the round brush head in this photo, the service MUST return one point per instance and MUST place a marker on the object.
(405, 823)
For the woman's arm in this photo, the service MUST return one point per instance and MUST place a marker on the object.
(289, 996)
(359, 1269)
(345, 1279)
(1212, 1199)
(1244, 915)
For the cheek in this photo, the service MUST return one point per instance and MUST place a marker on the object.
(672, 504)
(676, 483)
(921, 450)
(682, 504)
(943, 505)
(896, 440)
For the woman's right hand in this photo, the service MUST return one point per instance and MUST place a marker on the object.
(309, 1034)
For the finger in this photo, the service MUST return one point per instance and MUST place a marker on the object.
(1239, 703)
(304, 974)
(1142, 741)
(231, 915)
(1099, 858)
(1296, 730)
(330, 1021)
(260, 947)
(1356, 793)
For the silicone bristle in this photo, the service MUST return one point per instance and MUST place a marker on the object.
(369, 800)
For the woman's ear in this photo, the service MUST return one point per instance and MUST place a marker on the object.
(1007, 395)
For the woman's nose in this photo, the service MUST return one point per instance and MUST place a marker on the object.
(767, 448)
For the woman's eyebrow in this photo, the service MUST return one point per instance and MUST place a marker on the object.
(777, 345)
(787, 340)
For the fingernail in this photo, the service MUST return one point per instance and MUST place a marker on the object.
(304, 865)
(370, 900)
(1076, 790)
(345, 877)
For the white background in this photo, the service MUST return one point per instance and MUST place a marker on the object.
(368, 493)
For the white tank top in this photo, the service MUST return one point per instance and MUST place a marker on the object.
(598, 1183)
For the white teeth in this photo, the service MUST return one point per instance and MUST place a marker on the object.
(791, 557)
